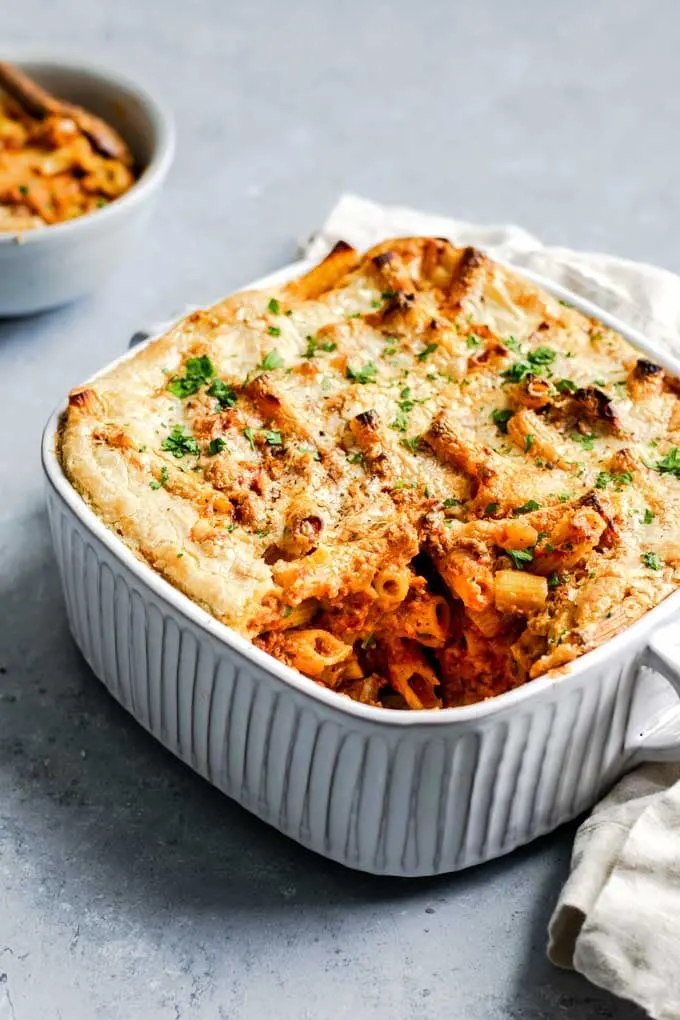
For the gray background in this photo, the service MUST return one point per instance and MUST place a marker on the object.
(128, 887)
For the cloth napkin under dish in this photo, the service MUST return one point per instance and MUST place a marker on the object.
(617, 920)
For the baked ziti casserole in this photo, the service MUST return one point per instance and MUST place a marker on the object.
(411, 475)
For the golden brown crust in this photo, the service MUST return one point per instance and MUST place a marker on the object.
(459, 480)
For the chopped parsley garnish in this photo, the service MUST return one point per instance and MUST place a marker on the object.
(216, 446)
(490, 508)
(427, 351)
(23, 189)
(197, 372)
(274, 330)
(274, 307)
(520, 557)
(564, 497)
(273, 359)
(670, 464)
(353, 315)
(313, 345)
(250, 435)
(399, 484)
(362, 375)
(586, 441)
(599, 382)
(651, 560)
(387, 295)
(178, 443)
(500, 418)
(308, 449)
(604, 479)
(400, 423)
(375, 304)
(647, 517)
(413, 444)
(473, 341)
(272, 437)
(263, 533)
(225, 395)
(535, 364)
(565, 386)
(451, 502)
(512, 344)
(517, 372)
(405, 406)
(541, 356)
(528, 442)
(163, 481)
(554, 581)
(355, 458)
(526, 508)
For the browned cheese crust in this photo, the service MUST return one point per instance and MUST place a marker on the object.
(414, 476)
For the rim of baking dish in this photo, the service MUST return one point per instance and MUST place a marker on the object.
(151, 177)
(164, 590)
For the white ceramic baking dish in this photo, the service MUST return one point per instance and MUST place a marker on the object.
(397, 793)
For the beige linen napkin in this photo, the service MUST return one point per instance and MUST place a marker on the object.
(617, 920)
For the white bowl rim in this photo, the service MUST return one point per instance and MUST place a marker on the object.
(153, 173)
(632, 637)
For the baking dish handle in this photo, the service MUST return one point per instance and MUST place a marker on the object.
(662, 653)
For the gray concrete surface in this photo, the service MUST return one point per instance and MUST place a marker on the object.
(128, 887)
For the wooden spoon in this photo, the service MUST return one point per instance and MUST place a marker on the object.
(39, 103)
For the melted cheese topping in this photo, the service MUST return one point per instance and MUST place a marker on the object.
(418, 412)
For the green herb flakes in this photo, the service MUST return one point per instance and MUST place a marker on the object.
(216, 446)
(363, 375)
(500, 418)
(313, 345)
(587, 441)
(197, 372)
(224, 394)
(155, 484)
(520, 557)
(565, 386)
(670, 464)
(274, 307)
(651, 560)
(413, 444)
(526, 508)
(427, 351)
(178, 443)
(271, 360)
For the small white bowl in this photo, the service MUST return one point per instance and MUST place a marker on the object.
(50, 266)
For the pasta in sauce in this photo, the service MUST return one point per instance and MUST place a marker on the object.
(411, 475)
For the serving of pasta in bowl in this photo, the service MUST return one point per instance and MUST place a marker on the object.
(83, 154)
(384, 548)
